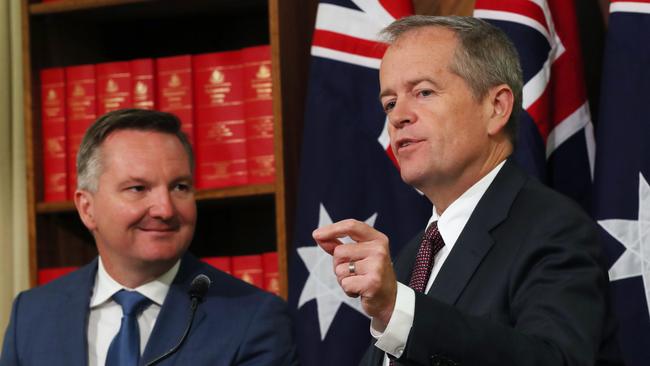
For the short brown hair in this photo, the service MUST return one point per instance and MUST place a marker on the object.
(88, 158)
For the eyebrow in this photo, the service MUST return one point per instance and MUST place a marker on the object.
(182, 178)
(410, 84)
(185, 179)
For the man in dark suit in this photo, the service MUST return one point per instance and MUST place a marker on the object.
(507, 271)
(132, 304)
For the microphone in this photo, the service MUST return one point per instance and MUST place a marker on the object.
(198, 288)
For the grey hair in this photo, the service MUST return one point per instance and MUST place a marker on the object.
(89, 164)
(485, 57)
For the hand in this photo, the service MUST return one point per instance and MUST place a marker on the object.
(374, 279)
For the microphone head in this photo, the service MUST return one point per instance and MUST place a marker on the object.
(199, 286)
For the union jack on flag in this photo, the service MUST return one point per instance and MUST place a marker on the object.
(346, 172)
(556, 139)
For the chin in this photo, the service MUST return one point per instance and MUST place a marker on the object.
(162, 250)
(412, 177)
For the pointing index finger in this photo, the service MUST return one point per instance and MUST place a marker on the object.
(356, 230)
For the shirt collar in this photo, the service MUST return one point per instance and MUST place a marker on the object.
(452, 221)
(106, 286)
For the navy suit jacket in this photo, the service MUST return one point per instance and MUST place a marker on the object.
(236, 324)
(523, 285)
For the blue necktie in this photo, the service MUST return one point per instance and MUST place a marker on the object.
(125, 347)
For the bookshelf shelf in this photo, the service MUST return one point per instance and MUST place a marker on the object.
(55, 207)
(75, 5)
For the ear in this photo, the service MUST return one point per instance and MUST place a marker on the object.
(501, 103)
(84, 201)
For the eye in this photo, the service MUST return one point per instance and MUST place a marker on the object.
(183, 187)
(425, 92)
(139, 188)
(388, 106)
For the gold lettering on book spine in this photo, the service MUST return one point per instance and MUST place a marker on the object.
(54, 147)
(111, 86)
(141, 89)
(57, 182)
(78, 91)
(52, 105)
(174, 81)
(218, 88)
(262, 83)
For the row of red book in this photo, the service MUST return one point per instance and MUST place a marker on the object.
(223, 99)
(260, 270)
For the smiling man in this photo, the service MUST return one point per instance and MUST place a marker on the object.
(507, 271)
(133, 303)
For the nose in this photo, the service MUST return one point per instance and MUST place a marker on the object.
(161, 205)
(402, 114)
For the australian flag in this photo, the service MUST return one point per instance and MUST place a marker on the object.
(346, 172)
(556, 139)
(622, 193)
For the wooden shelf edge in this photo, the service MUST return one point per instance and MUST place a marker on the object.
(54, 207)
(203, 195)
(73, 5)
(232, 192)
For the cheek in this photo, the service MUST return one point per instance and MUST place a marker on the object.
(187, 211)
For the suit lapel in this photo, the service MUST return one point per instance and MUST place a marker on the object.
(73, 322)
(174, 315)
(475, 240)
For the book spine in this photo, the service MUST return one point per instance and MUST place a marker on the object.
(174, 91)
(81, 111)
(220, 125)
(258, 107)
(248, 268)
(114, 86)
(144, 83)
(271, 272)
(46, 275)
(221, 263)
(53, 124)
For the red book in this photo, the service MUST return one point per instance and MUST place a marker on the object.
(55, 177)
(249, 269)
(222, 263)
(174, 93)
(220, 128)
(114, 87)
(271, 273)
(142, 73)
(46, 275)
(81, 112)
(258, 107)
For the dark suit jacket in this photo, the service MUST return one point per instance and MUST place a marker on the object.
(236, 324)
(523, 285)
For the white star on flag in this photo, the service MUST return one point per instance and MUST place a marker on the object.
(321, 283)
(635, 236)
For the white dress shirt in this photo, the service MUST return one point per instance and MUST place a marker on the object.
(106, 314)
(392, 340)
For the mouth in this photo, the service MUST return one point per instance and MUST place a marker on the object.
(404, 143)
(156, 229)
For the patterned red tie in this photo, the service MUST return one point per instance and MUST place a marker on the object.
(430, 246)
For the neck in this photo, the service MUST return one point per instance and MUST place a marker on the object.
(135, 276)
(443, 193)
